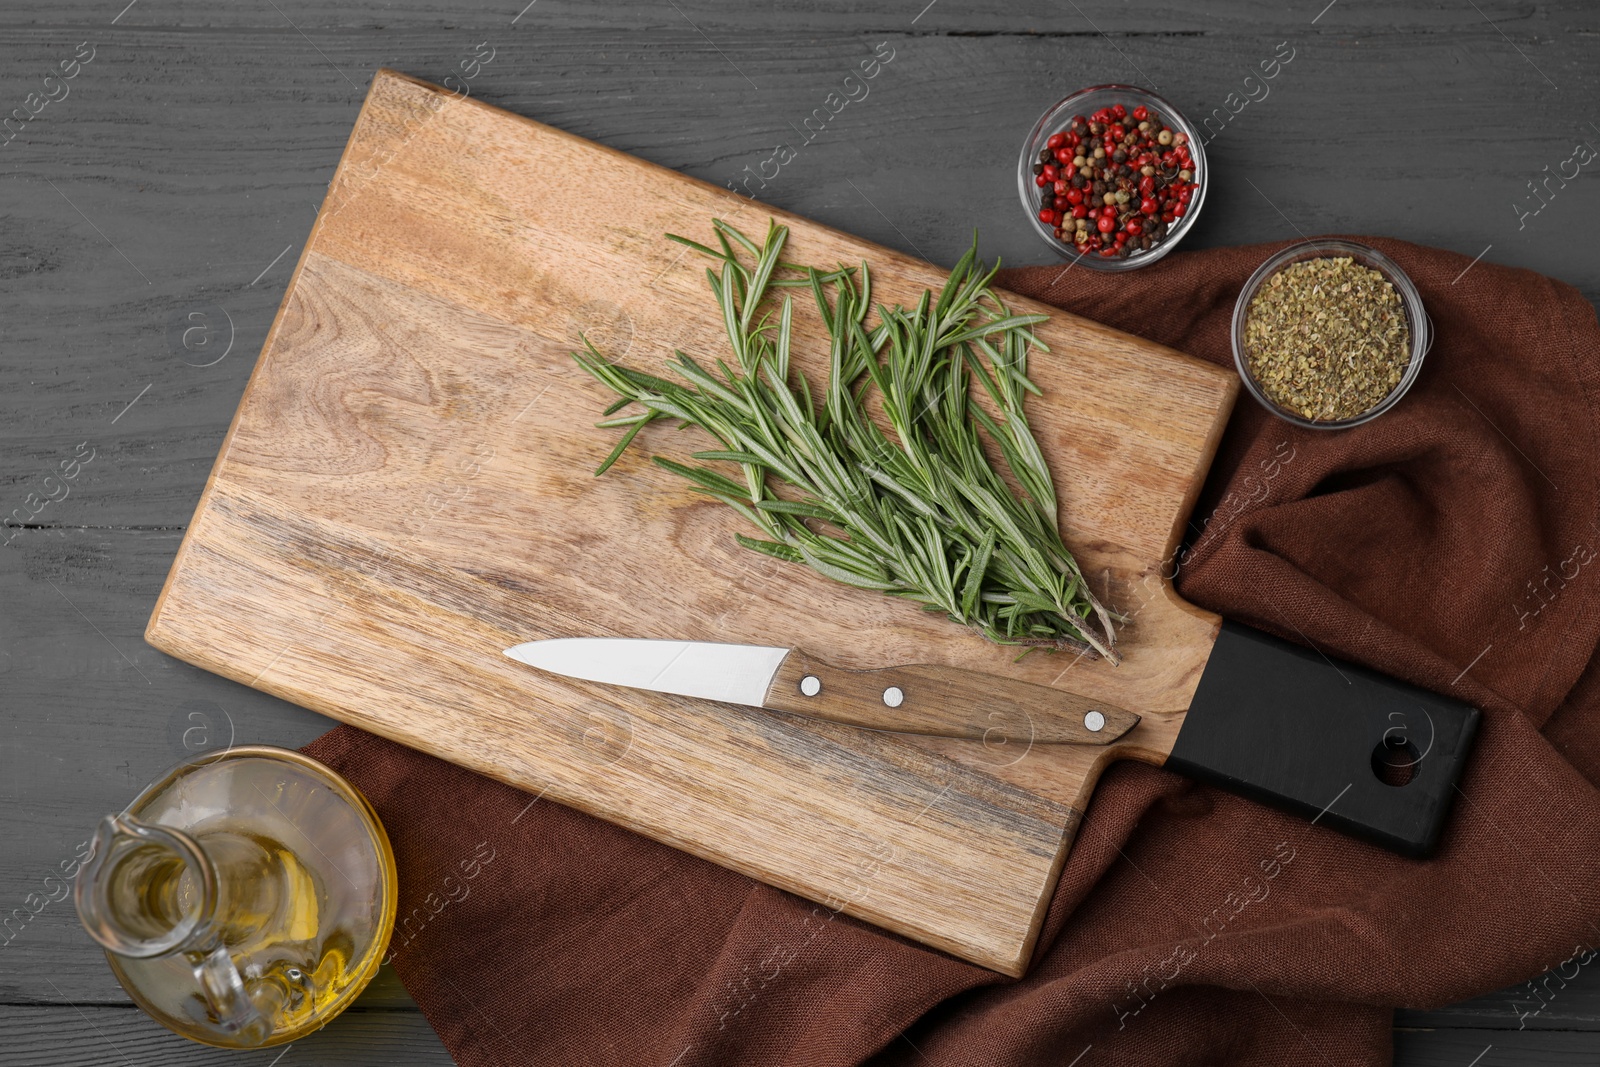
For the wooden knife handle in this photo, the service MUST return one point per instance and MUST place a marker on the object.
(944, 701)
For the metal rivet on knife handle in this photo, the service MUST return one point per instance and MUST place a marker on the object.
(1094, 722)
(894, 696)
(811, 685)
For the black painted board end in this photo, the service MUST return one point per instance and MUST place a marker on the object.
(1327, 739)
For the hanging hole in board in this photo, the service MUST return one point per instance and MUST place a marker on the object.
(1394, 761)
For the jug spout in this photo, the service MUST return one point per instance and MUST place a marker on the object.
(145, 890)
(149, 891)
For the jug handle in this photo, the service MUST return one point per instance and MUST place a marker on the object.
(225, 993)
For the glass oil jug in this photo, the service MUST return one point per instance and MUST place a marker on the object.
(244, 899)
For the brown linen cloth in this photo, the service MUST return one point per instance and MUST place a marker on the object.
(1450, 542)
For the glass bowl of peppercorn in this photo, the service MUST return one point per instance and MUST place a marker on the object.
(1329, 334)
(1112, 176)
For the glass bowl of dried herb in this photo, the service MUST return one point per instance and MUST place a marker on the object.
(1112, 177)
(1328, 334)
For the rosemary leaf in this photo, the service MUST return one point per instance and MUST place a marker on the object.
(622, 445)
(771, 548)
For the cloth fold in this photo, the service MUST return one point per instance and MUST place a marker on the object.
(1451, 542)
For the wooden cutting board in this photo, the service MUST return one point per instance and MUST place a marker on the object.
(407, 490)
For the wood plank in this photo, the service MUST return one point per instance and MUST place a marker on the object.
(89, 1036)
(1566, 997)
(1226, 20)
(93, 1036)
(1497, 1048)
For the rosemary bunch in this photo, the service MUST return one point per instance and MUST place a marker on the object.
(918, 511)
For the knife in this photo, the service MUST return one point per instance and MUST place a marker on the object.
(915, 699)
(1335, 742)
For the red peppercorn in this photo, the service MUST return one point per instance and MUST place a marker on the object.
(1040, 180)
(1150, 203)
(1045, 215)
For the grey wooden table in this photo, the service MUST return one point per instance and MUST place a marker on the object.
(180, 174)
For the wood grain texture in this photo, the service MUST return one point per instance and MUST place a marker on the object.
(944, 702)
(203, 137)
(1492, 1047)
(420, 365)
(117, 1036)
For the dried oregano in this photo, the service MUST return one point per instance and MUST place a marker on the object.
(1327, 338)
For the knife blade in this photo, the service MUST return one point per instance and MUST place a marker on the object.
(917, 698)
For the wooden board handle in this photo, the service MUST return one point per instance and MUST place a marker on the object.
(944, 701)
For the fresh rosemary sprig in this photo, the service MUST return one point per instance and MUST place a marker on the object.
(919, 512)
